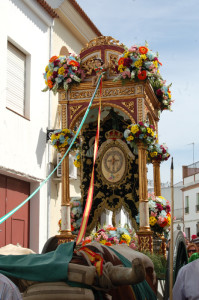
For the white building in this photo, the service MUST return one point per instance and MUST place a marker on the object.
(190, 192)
(31, 32)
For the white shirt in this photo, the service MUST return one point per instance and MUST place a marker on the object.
(8, 290)
(186, 286)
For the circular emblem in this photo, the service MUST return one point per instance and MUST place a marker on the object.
(113, 164)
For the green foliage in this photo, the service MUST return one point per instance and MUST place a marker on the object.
(160, 263)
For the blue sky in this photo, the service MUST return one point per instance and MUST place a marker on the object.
(172, 29)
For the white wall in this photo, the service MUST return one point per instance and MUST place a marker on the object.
(23, 142)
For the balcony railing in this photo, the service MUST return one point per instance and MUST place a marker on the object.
(186, 210)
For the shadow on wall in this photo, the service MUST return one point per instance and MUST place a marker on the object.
(41, 145)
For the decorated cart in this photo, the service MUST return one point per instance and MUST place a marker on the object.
(111, 99)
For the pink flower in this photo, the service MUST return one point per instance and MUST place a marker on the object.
(153, 214)
(132, 246)
(160, 220)
(126, 74)
(133, 48)
(68, 80)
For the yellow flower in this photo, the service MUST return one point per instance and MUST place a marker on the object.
(143, 56)
(134, 129)
(152, 132)
(169, 95)
(66, 130)
(130, 138)
(169, 220)
(126, 54)
(77, 164)
(49, 74)
(153, 154)
(103, 242)
(61, 71)
(155, 63)
(126, 237)
(46, 69)
(138, 63)
(149, 130)
(121, 68)
(152, 221)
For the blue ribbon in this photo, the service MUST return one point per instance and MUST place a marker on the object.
(5, 217)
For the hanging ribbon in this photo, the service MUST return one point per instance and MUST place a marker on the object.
(95, 258)
(9, 214)
(89, 199)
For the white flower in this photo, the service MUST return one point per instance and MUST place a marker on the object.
(152, 204)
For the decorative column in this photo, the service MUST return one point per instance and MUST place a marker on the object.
(156, 177)
(65, 233)
(144, 234)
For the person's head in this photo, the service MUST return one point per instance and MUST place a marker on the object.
(98, 62)
(191, 248)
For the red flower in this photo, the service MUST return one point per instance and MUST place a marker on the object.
(122, 242)
(50, 84)
(159, 93)
(164, 223)
(121, 61)
(142, 75)
(108, 244)
(53, 58)
(143, 50)
(127, 62)
(74, 63)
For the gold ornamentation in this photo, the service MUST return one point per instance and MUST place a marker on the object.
(88, 65)
(74, 109)
(139, 89)
(140, 109)
(106, 93)
(102, 40)
(129, 105)
(145, 243)
(112, 59)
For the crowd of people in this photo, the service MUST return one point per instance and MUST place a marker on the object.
(186, 286)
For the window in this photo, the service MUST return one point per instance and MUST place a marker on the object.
(186, 204)
(16, 79)
(187, 232)
(197, 202)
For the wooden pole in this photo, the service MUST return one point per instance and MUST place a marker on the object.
(156, 177)
(171, 237)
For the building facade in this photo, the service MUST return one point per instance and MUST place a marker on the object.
(37, 31)
(190, 193)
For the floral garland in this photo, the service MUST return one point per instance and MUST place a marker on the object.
(109, 235)
(77, 161)
(142, 131)
(159, 214)
(62, 72)
(76, 214)
(62, 138)
(140, 63)
(158, 152)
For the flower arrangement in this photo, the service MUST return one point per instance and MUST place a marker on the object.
(76, 214)
(158, 152)
(77, 161)
(140, 63)
(142, 131)
(59, 224)
(159, 214)
(62, 72)
(109, 235)
(62, 138)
